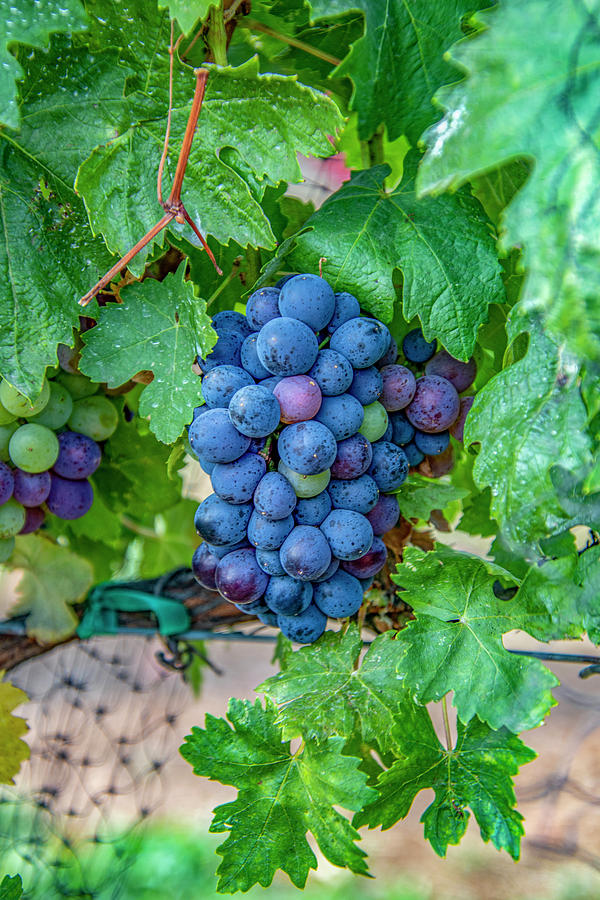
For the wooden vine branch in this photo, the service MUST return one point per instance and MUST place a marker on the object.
(174, 207)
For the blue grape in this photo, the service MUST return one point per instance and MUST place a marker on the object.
(279, 284)
(230, 320)
(204, 567)
(236, 482)
(309, 299)
(342, 415)
(388, 433)
(390, 356)
(268, 534)
(435, 405)
(78, 457)
(362, 341)
(7, 483)
(307, 447)
(415, 348)
(271, 382)
(274, 497)
(360, 494)
(219, 522)
(254, 608)
(402, 430)
(305, 553)
(348, 533)
(432, 444)
(199, 411)
(369, 564)
(224, 549)
(332, 372)
(268, 617)
(367, 385)
(305, 628)
(220, 384)
(226, 352)
(69, 499)
(269, 561)
(250, 360)
(288, 596)
(312, 510)
(30, 489)
(239, 578)
(215, 439)
(353, 457)
(346, 307)
(413, 454)
(205, 465)
(254, 411)
(366, 583)
(262, 306)
(340, 596)
(287, 347)
(385, 514)
(329, 571)
(389, 467)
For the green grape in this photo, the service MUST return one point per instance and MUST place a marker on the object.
(77, 385)
(375, 422)
(58, 409)
(6, 432)
(33, 448)
(94, 416)
(305, 485)
(17, 403)
(12, 518)
(7, 545)
(6, 417)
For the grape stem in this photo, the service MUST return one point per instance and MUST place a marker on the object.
(447, 731)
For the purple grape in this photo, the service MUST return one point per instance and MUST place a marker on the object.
(369, 564)
(78, 457)
(69, 499)
(7, 483)
(262, 306)
(204, 567)
(34, 519)
(461, 375)
(353, 458)
(305, 553)
(299, 398)
(415, 348)
(385, 514)
(31, 489)
(457, 428)
(435, 405)
(239, 578)
(367, 385)
(399, 387)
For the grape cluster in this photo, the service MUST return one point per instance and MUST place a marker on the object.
(48, 450)
(310, 424)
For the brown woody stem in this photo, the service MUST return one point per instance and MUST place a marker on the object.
(184, 153)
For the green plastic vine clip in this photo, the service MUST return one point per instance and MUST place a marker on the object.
(106, 600)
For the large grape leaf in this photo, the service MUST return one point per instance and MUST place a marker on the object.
(31, 23)
(398, 64)
(11, 888)
(322, 691)
(418, 496)
(160, 326)
(12, 749)
(528, 418)
(475, 775)
(443, 246)
(455, 643)
(187, 12)
(251, 126)
(52, 579)
(282, 795)
(531, 91)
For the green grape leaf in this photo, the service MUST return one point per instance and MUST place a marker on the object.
(455, 643)
(187, 12)
(530, 91)
(175, 541)
(403, 45)
(528, 418)
(474, 776)
(582, 508)
(266, 118)
(282, 795)
(445, 251)
(322, 691)
(161, 326)
(418, 496)
(13, 751)
(53, 578)
(32, 24)
(11, 888)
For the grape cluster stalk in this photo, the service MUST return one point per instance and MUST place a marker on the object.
(310, 423)
(49, 448)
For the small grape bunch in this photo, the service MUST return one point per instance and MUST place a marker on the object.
(311, 422)
(48, 450)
